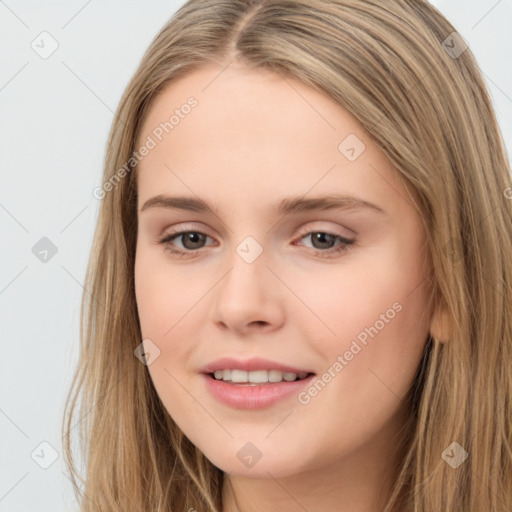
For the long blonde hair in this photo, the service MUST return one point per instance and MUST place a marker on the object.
(400, 70)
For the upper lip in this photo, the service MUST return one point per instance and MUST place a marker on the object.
(253, 364)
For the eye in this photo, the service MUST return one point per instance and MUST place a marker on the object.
(322, 242)
(192, 242)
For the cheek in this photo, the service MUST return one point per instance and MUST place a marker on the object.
(164, 295)
(375, 315)
(164, 301)
(172, 308)
(371, 349)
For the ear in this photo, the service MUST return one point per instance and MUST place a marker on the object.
(441, 325)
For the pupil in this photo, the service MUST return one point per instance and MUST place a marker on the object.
(320, 237)
(192, 236)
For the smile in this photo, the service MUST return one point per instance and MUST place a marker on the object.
(252, 395)
(234, 376)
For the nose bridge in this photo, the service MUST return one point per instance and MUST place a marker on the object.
(247, 292)
(247, 277)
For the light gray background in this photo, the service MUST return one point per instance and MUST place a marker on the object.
(55, 117)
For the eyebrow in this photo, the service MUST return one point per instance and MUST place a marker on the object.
(283, 207)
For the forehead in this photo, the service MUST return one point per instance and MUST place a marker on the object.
(238, 99)
(255, 134)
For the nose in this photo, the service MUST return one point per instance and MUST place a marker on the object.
(248, 297)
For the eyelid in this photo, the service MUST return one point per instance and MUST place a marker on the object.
(178, 228)
(304, 230)
(308, 228)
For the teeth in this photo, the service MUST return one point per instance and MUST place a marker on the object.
(275, 376)
(257, 376)
(238, 376)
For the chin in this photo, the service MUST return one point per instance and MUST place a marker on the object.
(262, 465)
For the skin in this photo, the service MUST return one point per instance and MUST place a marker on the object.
(254, 139)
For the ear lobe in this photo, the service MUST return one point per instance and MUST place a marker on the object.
(441, 326)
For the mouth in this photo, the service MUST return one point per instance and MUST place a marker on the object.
(256, 377)
(255, 383)
(233, 387)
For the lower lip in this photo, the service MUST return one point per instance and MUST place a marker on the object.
(241, 396)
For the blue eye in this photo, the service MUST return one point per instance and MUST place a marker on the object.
(192, 243)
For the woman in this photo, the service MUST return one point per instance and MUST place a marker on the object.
(261, 369)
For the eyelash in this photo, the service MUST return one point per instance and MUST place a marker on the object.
(190, 253)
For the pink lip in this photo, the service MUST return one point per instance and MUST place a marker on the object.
(243, 396)
(253, 364)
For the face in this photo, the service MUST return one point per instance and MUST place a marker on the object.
(338, 292)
